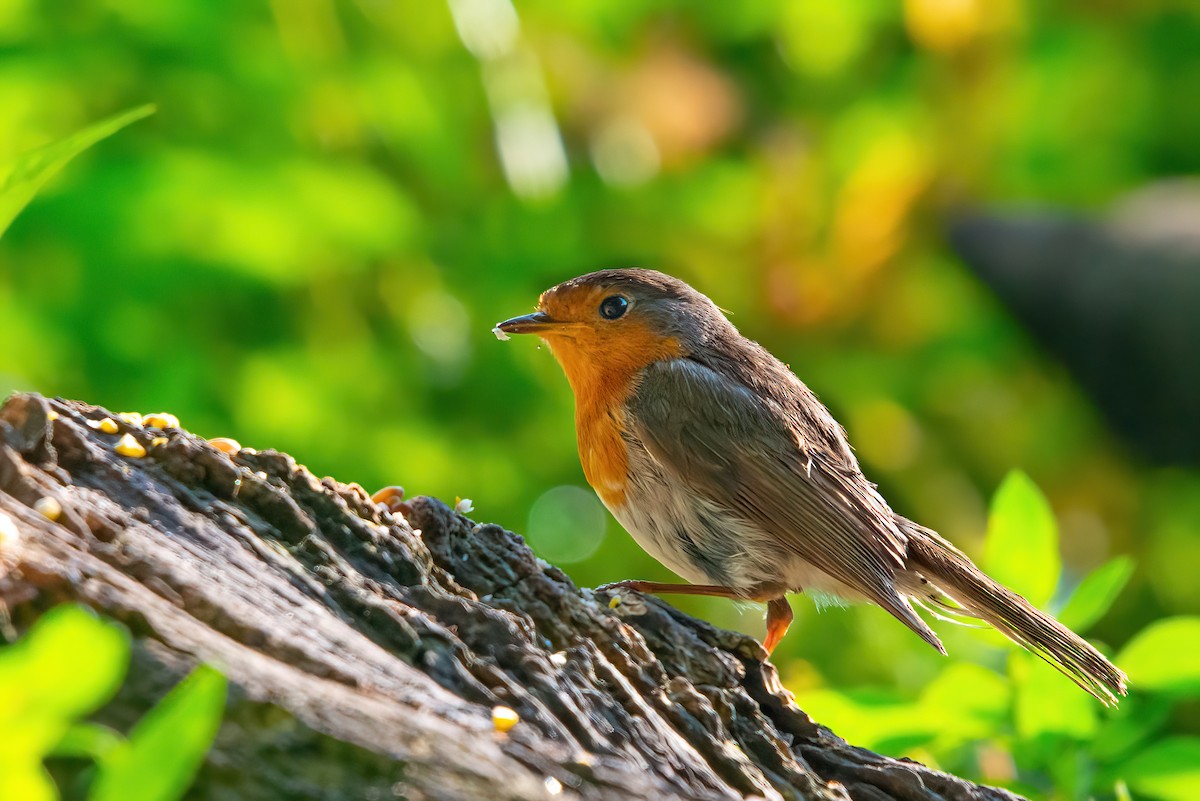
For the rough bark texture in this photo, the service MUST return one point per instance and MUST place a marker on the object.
(366, 651)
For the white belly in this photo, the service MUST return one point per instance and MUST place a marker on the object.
(704, 543)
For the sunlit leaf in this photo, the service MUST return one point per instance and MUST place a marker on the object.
(89, 740)
(23, 176)
(168, 745)
(1022, 541)
(1096, 593)
(1168, 770)
(867, 717)
(68, 665)
(1048, 702)
(965, 701)
(1165, 657)
(27, 781)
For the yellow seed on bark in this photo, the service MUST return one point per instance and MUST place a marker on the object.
(225, 445)
(128, 446)
(107, 425)
(161, 420)
(504, 718)
(133, 418)
(48, 508)
(8, 531)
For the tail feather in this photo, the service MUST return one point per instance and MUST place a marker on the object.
(933, 560)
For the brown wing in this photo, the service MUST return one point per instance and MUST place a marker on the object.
(741, 453)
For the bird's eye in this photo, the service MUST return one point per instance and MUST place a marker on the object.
(613, 307)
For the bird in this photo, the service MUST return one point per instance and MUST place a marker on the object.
(726, 468)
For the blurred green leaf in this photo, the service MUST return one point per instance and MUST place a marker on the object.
(1047, 702)
(27, 781)
(1138, 718)
(1022, 540)
(44, 684)
(23, 176)
(90, 740)
(965, 701)
(1168, 770)
(870, 717)
(1095, 594)
(168, 745)
(1165, 657)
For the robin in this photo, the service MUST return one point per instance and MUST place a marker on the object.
(726, 468)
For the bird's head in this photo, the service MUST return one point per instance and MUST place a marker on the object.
(607, 325)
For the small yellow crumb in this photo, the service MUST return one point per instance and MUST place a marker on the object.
(51, 415)
(107, 425)
(614, 602)
(160, 420)
(504, 718)
(48, 508)
(128, 446)
(8, 531)
(133, 418)
(225, 445)
(159, 441)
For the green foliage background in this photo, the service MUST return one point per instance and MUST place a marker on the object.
(306, 246)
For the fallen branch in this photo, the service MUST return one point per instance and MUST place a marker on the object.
(366, 651)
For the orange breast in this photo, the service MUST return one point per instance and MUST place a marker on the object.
(602, 452)
(602, 372)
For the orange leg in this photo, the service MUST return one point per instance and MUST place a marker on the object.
(779, 617)
(655, 587)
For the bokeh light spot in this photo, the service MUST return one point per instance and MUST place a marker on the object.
(566, 524)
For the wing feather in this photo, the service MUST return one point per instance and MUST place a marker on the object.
(742, 453)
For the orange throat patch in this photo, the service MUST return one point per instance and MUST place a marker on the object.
(602, 375)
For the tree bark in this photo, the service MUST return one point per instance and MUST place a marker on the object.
(366, 650)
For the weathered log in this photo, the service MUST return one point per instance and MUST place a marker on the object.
(367, 651)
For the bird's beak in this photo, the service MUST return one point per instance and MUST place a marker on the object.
(535, 323)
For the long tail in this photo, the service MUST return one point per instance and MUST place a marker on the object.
(934, 561)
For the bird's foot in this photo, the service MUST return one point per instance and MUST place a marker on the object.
(779, 618)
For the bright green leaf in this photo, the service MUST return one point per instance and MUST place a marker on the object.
(1168, 770)
(26, 780)
(88, 740)
(1165, 657)
(1096, 593)
(168, 745)
(23, 176)
(1021, 551)
(69, 664)
(868, 717)
(965, 702)
(1048, 702)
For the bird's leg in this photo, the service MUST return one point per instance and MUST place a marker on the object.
(655, 587)
(779, 618)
